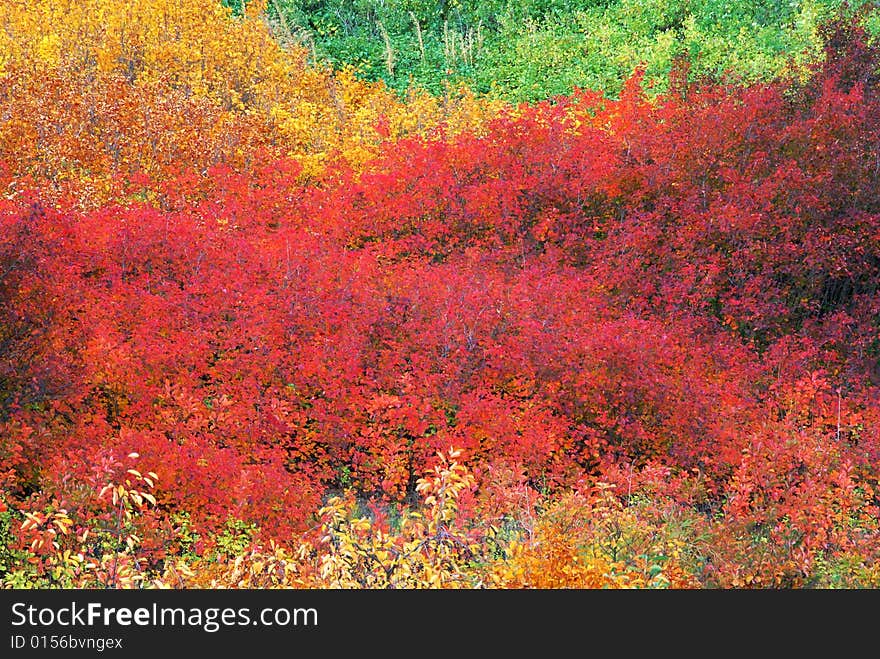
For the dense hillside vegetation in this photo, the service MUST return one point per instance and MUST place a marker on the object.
(534, 49)
(267, 323)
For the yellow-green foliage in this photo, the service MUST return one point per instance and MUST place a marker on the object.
(426, 551)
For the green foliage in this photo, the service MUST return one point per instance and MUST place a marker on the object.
(535, 49)
(235, 537)
(848, 571)
(11, 559)
(187, 537)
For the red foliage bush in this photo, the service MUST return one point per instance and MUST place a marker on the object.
(593, 286)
